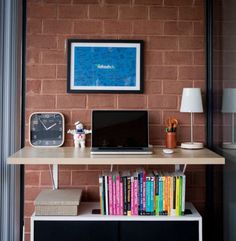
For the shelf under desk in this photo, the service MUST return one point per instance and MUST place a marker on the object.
(76, 156)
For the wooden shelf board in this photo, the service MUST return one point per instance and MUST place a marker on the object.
(85, 214)
(76, 156)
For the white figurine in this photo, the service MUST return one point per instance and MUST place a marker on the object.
(79, 134)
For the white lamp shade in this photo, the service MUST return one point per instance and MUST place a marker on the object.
(229, 100)
(191, 100)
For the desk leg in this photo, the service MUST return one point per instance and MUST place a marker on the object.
(55, 176)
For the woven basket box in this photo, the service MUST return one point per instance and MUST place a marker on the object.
(60, 202)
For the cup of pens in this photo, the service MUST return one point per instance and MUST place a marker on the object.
(171, 127)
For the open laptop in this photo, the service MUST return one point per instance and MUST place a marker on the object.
(120, 132)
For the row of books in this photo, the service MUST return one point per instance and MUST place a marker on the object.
(142, 193)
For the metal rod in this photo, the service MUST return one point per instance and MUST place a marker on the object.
(191, 127)
(232, 128)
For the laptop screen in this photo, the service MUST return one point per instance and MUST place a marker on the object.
(119, 129)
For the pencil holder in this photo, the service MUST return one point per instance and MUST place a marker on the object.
(170, 139)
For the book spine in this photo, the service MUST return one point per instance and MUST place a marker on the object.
(174, 195)
(144, 193)
(121, 197)
(157, 195)
(160, 195)
(118, 195)
(110, 195)
(114, 195)
(132, 195)
(152, 194)
(140, 176)
(183, 194)
(106, 195)
(135, 196)
(101, 195)
(129, 196)
(168, 195)
(177, 196)
(180, 194)
(148, 195)
(125, 194)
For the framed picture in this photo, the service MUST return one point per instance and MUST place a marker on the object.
(105, 66)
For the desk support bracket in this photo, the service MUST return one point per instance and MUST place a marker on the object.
(54, 175)
(178, 169)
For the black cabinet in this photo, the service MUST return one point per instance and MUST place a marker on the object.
(116, 230)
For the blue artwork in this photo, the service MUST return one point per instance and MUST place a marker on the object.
(105, 66)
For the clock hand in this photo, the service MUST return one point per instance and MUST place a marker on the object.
(51, 126)
(43, 124)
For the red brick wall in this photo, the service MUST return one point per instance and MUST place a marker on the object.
(173, 31)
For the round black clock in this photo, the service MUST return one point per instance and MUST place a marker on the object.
(47, 129)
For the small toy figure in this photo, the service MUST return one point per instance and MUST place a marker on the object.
(79, 134)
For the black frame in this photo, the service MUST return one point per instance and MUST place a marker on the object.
(141, 61)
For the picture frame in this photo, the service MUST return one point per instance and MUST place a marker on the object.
(105, 66)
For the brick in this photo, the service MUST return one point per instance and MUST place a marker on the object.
(81, 115)
(178, 28)
(163, 13)
(85, 178)
(153, 58)
(88, 27)
(148, 2)
(71, 101)
(100, 168)
(132, 102)
(175, 87)
(31, 193)
(72, 167)
(103, 12)
(178, 58)
(156, 132)
(34, 26)
(41, 11)
(199, 28)
(153, 87)
(57, 1)
(158, 72)
(85, 1)
(27, 224)
(54, 86)
(198, 133)
(33, 56)
(178, 2)
(54, 57)
(163, 43)
(118, 1)
(46, 179)
(101, 101)
(28, 208)
(191, 43)
(27, 236)
(40, 101)
(148, 27)
(42, 41)
(183, 118)
(117, 27)
(135, 12)
(57, 26)
(199, 58)
(162, 101)
(73, 12)
(34, 167)
(191, 13)
(32, 178)
(33, 86)
(65, 178)
(154, 117)
(41, 71)
(61, 71)
(192, 73)
(93, 193)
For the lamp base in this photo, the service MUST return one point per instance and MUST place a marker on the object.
(229, 145)
(192, 145)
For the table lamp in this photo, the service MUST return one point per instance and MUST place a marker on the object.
(191, 103)
(229, 106)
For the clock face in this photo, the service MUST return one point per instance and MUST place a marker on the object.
(46, 129)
